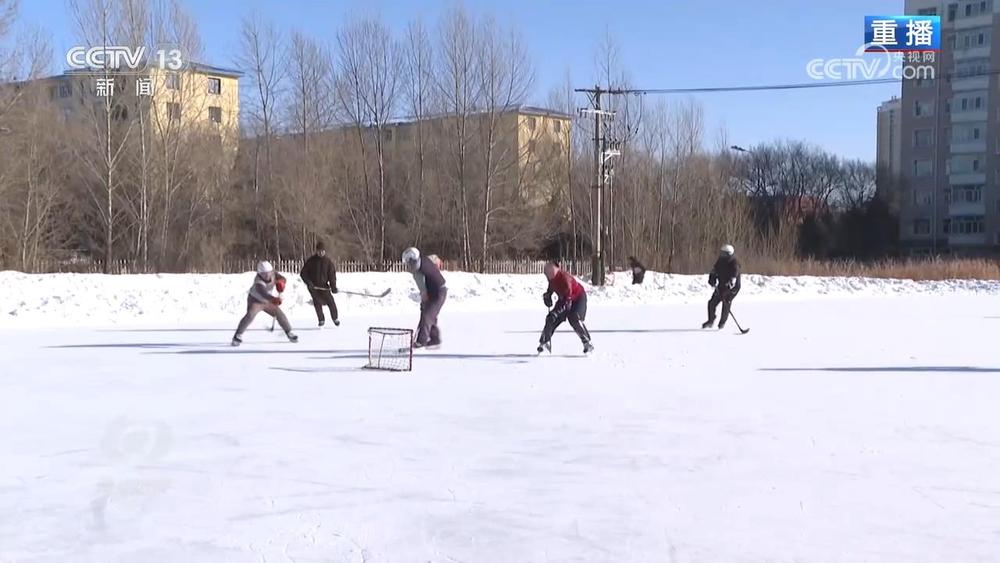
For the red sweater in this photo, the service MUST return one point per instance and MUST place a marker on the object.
(565, 286)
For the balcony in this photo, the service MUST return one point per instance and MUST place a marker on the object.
(981, 116)
(982, 20)
(971, 53)
(966, 147)
(967, 240)
(967, 178)
(970, 83)
(967, 208)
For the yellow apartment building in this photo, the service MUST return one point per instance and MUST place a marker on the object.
(197, 98)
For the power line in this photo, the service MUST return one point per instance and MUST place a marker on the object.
(791, 86)
(794, 86)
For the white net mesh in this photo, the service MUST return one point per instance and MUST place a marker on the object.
(390, 349)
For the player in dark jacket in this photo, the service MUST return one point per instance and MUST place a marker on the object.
(725, 278)
(572, 306)
(638, 270)
(320, 276)
(433, 293)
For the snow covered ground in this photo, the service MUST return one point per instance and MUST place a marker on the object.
(857, 427)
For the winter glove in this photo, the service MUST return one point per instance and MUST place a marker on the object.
(711, 282)
(276, 301)
(547, 299)
(334, 290)
(732, 284)
(279, 284)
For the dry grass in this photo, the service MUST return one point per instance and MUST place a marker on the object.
(935, 269)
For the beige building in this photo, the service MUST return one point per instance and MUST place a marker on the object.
(197, 98)
(951, 136)
(530, 143)
(889, 151)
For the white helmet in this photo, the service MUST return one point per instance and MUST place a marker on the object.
(265, 267)
(728, 250)
(411, 256)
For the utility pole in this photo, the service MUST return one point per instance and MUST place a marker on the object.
(601, 157)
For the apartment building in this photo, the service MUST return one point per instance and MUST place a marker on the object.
(889, 151)
(199, 98)
(950, 163)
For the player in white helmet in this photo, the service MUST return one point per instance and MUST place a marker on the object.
(265, 295)
(433, 293)
(725, 278)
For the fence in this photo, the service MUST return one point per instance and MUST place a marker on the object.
(121, 267)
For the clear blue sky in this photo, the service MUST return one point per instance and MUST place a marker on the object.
(664, 44)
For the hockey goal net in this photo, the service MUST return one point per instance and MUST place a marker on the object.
(390, 349)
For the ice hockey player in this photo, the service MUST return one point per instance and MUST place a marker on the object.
(320, 276)
(262, 297)
(572, 306)
(638, 270)
(433, 293)
(725, 278)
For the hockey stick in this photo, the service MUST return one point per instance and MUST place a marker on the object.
(366, 294)
(742, 330)
(274, 319)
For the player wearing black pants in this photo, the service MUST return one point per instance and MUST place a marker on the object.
(725, 278)
(320, 276)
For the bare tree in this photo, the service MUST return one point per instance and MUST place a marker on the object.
(109, 123)
(460, 94)
(264, 59)
(417, 87)
(505, 76)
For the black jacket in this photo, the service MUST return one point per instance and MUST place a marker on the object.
(726, 269)
(319, 272)
(429, 279)
(638, 271)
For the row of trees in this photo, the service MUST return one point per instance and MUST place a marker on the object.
(323, 155)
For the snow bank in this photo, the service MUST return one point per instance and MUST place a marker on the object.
(95, 299)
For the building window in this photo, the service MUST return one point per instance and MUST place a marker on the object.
(173, 81)
(923, 138)
(921, 198)
(947, 135)
(922, 108)
(174, 111)
(946, 226)
(215, 114)
(952, 10)
(215, 86)
(922, 168)
(921, 227)
(979, 102)
(66, 90)
(927, 11)
(531, 124)
(557, 126)
(975, 165)
(968, 10)
(951, 41)
(968, 225)
(967, 194)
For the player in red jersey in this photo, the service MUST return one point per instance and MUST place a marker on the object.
(572, 306)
